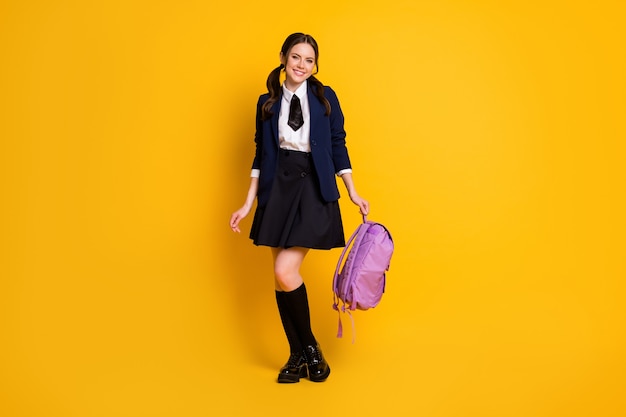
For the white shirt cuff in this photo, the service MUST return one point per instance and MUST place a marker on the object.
(344, 171)
(255, 173)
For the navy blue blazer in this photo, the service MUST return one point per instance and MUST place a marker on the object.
(327, 140)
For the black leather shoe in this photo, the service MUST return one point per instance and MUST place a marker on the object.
(294, 369)
(318, 367)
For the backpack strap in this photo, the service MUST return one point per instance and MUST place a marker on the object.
(353, 328)
(340, 326)
(343, 253)
(335, 277)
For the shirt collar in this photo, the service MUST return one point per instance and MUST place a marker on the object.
(300, 92)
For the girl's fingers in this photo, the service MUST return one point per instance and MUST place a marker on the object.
(234, 221)
(365, 207)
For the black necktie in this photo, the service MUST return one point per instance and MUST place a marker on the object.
(295, 114)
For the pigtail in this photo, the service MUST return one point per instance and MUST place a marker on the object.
(318, 90)
(273, 87)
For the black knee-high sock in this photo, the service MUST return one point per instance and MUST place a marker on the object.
(285, 317)
(297, 304)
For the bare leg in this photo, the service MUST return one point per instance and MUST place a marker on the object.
(289, 283)
(286, 279)
(287, 264)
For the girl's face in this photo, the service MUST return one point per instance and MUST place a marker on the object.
(299, 64)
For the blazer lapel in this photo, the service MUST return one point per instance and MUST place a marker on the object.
(317, 111)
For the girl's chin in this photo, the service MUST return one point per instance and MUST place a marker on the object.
(298, 79)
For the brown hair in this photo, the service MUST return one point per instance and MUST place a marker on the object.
(273, 80)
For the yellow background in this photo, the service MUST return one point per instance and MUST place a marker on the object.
(488, 136)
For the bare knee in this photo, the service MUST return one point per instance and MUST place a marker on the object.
(287, 278)
(287, 268)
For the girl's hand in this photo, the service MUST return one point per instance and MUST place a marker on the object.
(364, 205)
(236, 217)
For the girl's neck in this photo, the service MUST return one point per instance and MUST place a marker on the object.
(292, 87)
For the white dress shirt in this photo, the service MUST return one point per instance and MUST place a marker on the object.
(297, 140)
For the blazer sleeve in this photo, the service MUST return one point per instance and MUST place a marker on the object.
(341, 159)
(258, 135)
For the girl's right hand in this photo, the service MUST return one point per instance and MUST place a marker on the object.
(236, 217)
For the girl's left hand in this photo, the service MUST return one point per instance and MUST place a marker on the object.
(364, 205)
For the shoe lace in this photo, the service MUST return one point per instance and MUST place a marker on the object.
(294, 359)
(313, 355)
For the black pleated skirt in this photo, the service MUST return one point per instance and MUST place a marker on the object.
(296, 214)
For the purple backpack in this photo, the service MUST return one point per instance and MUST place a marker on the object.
(361, 282)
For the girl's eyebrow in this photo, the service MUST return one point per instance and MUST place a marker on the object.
(309, 57)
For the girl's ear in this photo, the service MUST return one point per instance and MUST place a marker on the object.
(282, 58)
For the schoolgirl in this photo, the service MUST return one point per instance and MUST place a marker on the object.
(300, 148)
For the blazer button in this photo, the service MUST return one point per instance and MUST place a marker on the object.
(303, 174)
